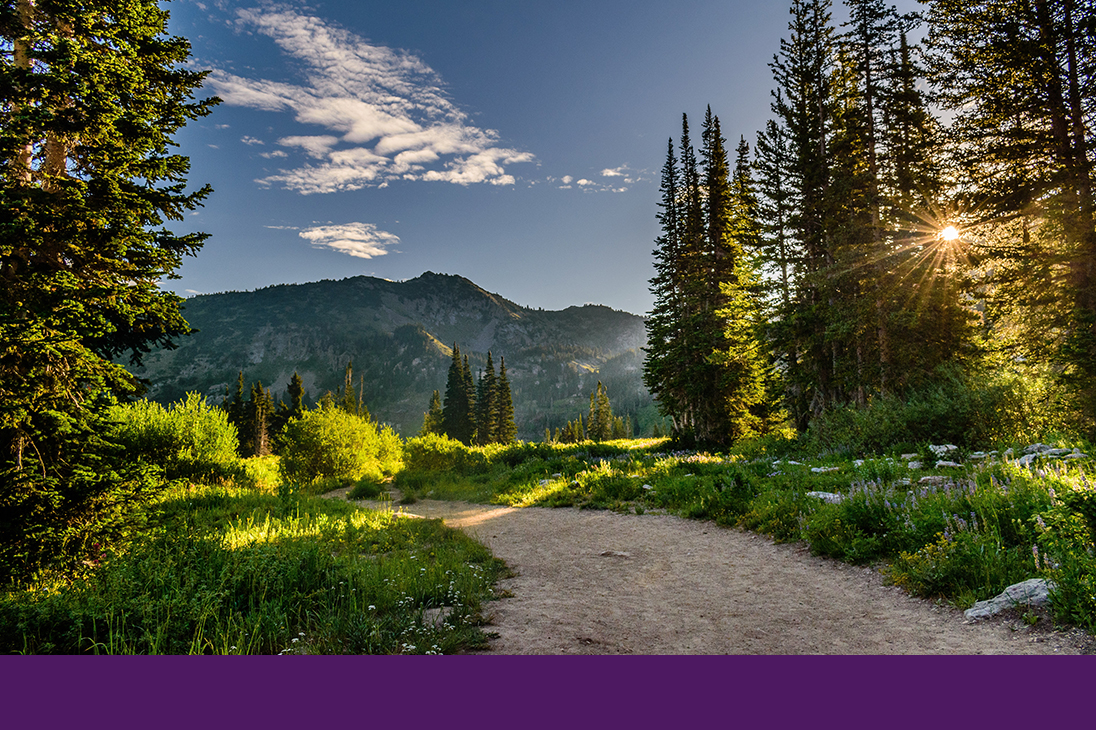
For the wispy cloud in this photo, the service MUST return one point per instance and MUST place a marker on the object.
(384, 112)
(362, 240)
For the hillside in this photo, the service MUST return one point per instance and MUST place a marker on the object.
(398, 336)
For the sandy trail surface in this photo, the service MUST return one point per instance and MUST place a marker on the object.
(591, 582)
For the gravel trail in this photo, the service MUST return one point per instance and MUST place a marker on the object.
(592, 582)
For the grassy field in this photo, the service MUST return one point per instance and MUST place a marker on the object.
(228, 570)
(268, 568)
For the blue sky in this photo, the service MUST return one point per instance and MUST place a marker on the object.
(517, 144)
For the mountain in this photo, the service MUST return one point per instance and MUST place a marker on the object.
(398, 336)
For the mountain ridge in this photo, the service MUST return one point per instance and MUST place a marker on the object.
(399, 335)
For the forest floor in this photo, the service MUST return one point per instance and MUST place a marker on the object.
(598, 582)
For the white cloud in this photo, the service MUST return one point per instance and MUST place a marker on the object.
(584, 182)
(566, 179)
(384, 111)
(251, 140)
(362, 240)
(614, 171)
(273, 155)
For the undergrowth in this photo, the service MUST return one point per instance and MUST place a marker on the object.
(247, 571)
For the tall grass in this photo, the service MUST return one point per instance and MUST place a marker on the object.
(230, 571)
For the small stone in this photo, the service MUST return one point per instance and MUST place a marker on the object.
(544, 482)
(942, 449)
(1074, 457)
(858, 462)
(614, 554)
(824, 469)
(648, 487)
(941, 464)
(1035, 449)
(828, 497)
(913, 465)
(932, 480)
(907, 457)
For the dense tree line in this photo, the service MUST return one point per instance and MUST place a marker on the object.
(867, 247)
(600, 424)
(475, 412)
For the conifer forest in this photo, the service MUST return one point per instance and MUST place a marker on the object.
(914, 212)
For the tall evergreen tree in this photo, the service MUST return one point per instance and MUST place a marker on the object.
(434, 420)
(91, 95)
(665, 322)
(458, 415)
(486, 402)
(505, 429)
(803, 107)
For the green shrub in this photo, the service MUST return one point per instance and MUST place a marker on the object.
(329, 443)
(957, 407)
(189, 439)
(1068, 540)
(436, 453)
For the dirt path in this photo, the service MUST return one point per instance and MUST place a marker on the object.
(603, 583)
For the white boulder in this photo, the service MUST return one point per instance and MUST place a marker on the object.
(1033, 592)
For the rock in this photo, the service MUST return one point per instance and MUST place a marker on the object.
(977, 455)
(1075, 456)
(1009, 453)
(1035, 449)
(932, 480)
(648, 487)
(1026, 460)
(614, 554)
(1057, 452)
(941, 464)
(913, 465)
(557, 475)
(544, 482)
(907, 457)
(828, 497)
(824, 469)
(1033, 592)
(942, 449)
(858, 462)
(903, 481)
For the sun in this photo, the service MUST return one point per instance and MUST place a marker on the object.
(951, 233)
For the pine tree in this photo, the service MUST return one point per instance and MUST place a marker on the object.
(505, 430)
(257, 421)
(665, 321)
(434, 420)
(486, 402)
(91, 95)
(236, 408)
(458, 414)
(803, 108)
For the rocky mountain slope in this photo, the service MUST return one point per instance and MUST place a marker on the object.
(398, 336)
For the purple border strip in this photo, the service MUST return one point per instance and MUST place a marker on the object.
(302, 692)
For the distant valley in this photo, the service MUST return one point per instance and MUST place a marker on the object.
(398, 336)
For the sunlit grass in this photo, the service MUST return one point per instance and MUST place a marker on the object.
(242, 571)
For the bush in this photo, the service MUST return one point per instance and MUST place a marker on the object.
(961, 408)
(189, 439)
(438, 453)
(330, 443)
